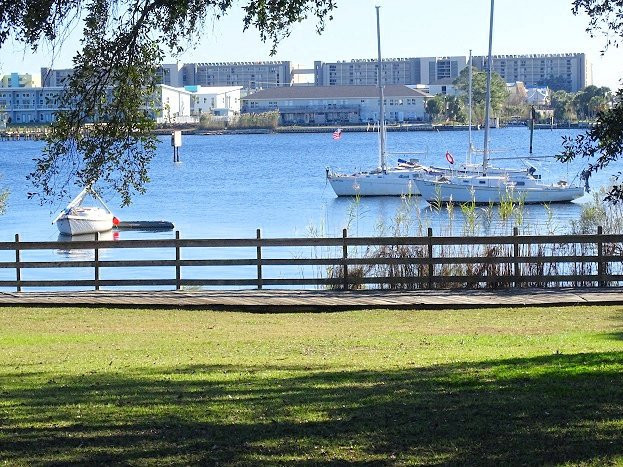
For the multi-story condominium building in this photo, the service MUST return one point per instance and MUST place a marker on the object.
(29, 105)
(338, 104)
(423, 70)
(15, 80)
(536, 70)
(52, 77)
(249, 75)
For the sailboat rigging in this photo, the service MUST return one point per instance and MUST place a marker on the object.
(383, 180)
(491, 185)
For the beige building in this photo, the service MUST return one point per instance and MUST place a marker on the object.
(16, 80)
(407, 71)
(535, 70)
(338, 104)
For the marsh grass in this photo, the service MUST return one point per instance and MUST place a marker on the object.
(469, 387)
(411, 220)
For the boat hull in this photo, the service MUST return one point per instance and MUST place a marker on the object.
(73, 225)
(434, 192)
(381, 184)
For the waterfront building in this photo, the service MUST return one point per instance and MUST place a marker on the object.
(434, 89)
(16, 80)
(173, 105)
(338, 104)
(538, 96)
(221, 101)
(363, 72)
(29, 105)
(571, 70)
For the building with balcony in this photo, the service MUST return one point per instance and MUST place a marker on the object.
(15, 80)
(572, 71)
(221, 101)
(53, 77)
(29, 105)
(338, 104)
(408, 71)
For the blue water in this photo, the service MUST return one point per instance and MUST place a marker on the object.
(227, 186)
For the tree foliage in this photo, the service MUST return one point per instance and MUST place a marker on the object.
(602, 145)
(103, 133)
(499, 94)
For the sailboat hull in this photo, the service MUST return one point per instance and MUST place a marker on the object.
(380, 184)
(87, 221)
(433, 192)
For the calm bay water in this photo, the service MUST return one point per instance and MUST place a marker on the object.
(227, 186)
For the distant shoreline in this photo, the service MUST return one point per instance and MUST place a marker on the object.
(351, 129)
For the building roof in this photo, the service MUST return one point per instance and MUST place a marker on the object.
(335, 92)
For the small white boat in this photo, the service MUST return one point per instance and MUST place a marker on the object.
(76, 219)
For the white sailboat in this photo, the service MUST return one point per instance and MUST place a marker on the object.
(382, 180)
(491, 185)
(76, 219)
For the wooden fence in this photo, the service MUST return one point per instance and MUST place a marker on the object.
(425, 262)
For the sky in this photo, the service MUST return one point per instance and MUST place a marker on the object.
(409, 28)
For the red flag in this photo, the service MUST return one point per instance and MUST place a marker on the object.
(337, 134)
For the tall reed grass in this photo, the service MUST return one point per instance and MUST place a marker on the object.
(509, 215)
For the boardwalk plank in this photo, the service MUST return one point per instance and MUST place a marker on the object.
(320, 300)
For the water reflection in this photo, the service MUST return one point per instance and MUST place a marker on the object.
(84, 254)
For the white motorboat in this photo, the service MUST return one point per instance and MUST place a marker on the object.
(382, 180)
(491, 186)
(77, 219)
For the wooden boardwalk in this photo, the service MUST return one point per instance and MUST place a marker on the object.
(316, 300)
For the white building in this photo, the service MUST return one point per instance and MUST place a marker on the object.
(223, 101)
(538, 96)
(338, 104)
(174, 105)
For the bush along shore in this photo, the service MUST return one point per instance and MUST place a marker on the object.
(412, 220)
(214, 127)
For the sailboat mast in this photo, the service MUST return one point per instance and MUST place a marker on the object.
(471, 144)
(381, 96)
(485, 155)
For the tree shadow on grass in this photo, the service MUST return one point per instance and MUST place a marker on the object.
(559, 408)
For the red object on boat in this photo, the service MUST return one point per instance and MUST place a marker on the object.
(115, 221)
(449, 157)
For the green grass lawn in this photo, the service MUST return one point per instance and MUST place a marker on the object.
(496, 386)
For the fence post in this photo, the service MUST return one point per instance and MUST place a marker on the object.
(344, 257)
(600, 255)
(178, 267)
(516, 270)
(18, 271)
(431, 268)
(97, 261)
(259, 259)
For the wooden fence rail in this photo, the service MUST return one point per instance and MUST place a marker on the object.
(352, 262)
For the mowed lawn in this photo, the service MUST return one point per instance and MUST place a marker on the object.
(495, 386)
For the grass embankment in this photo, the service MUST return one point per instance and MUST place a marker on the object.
(477, 386)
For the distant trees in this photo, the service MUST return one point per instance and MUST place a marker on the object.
(555, 83)
(602, 145)
(446, 108)
(499, 94)
(591, 100)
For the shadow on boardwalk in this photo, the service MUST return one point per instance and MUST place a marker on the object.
(559, 408)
